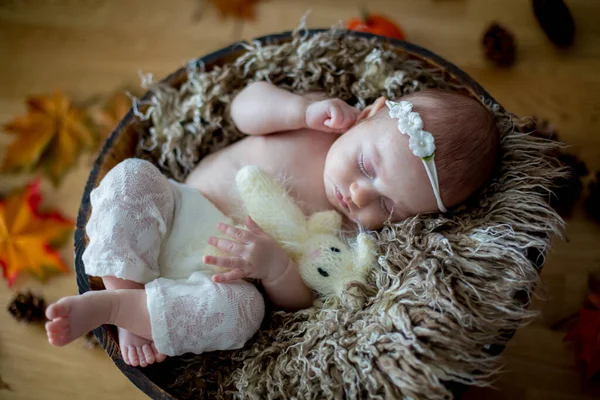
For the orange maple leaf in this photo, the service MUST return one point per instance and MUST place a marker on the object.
(108, 117)
(50, 135)
(243, 9)
(28, 238)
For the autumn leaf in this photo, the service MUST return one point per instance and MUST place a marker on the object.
(50, 137)
(586, 337)
(377, 24)
(243, 9)
(107, 117)
(28, 238)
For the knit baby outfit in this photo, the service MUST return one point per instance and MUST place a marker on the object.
(152, 230)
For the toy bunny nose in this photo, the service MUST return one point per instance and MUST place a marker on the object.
(360, 195)
(314, 254)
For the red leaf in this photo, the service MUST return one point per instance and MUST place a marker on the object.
(586, 337)
(28, 238)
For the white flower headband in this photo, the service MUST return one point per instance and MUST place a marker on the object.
(420, 142)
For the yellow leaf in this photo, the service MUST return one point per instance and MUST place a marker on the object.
(62, 153)
(28, 237)
(35, 132)
(52, 134)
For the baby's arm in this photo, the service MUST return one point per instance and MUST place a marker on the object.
(262, 108)
(288, 291)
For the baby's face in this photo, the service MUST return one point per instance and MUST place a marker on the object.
(371, 175)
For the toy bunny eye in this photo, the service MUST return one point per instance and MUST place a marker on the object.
(334, 249)
(323, 272)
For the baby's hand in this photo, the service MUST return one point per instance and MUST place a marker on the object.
(254, 254)
(331, 115)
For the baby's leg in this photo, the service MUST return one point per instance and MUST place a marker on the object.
(135, 350)
(123, 304)
(196, 315)
(132, 210)
(72, 316)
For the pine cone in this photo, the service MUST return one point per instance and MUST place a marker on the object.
(592, 202)
(499, 45)
(90, 340)
(28, 307)
(556, 20)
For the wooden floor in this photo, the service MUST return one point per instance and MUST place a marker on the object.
(91, 47)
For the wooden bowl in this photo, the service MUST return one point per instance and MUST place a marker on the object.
(122, 144)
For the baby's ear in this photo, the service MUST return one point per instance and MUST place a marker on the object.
(325, 222)
(364, 114)
(372, 109)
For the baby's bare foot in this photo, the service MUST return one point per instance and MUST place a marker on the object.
(73, 316)
(137, 350)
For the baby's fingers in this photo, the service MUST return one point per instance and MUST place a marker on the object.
(225, 262)
(252, 225)
(227, 245)
(349, 118)
(241, 235)
(234, 275)
(341, 118)
(334, 115)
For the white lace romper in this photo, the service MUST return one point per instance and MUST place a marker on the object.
(152, 230)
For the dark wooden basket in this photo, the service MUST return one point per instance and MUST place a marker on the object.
(122, 144)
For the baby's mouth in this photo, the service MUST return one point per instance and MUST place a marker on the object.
(340, 199)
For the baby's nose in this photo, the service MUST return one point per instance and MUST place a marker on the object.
(360, 195)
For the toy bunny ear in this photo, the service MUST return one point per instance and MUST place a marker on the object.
(325, 222)
(266, 201)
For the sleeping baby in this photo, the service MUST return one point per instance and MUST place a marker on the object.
(392, 160)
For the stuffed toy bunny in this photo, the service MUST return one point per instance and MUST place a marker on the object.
(326, 263)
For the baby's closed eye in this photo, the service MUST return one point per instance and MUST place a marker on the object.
(365, 166)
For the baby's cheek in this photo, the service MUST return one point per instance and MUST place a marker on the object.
(368, 219)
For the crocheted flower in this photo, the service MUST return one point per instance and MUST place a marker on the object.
(421, 144)
(398, 110)
(410, 124)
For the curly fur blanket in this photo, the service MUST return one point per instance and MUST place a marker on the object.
(449, 290)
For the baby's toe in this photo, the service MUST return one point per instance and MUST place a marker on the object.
(149, 354)
(141, 357)
(133, 357)
(57, 325)
(125, 354)
(57, 310)
(160, 357)
(58, 331)
(56, 339)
